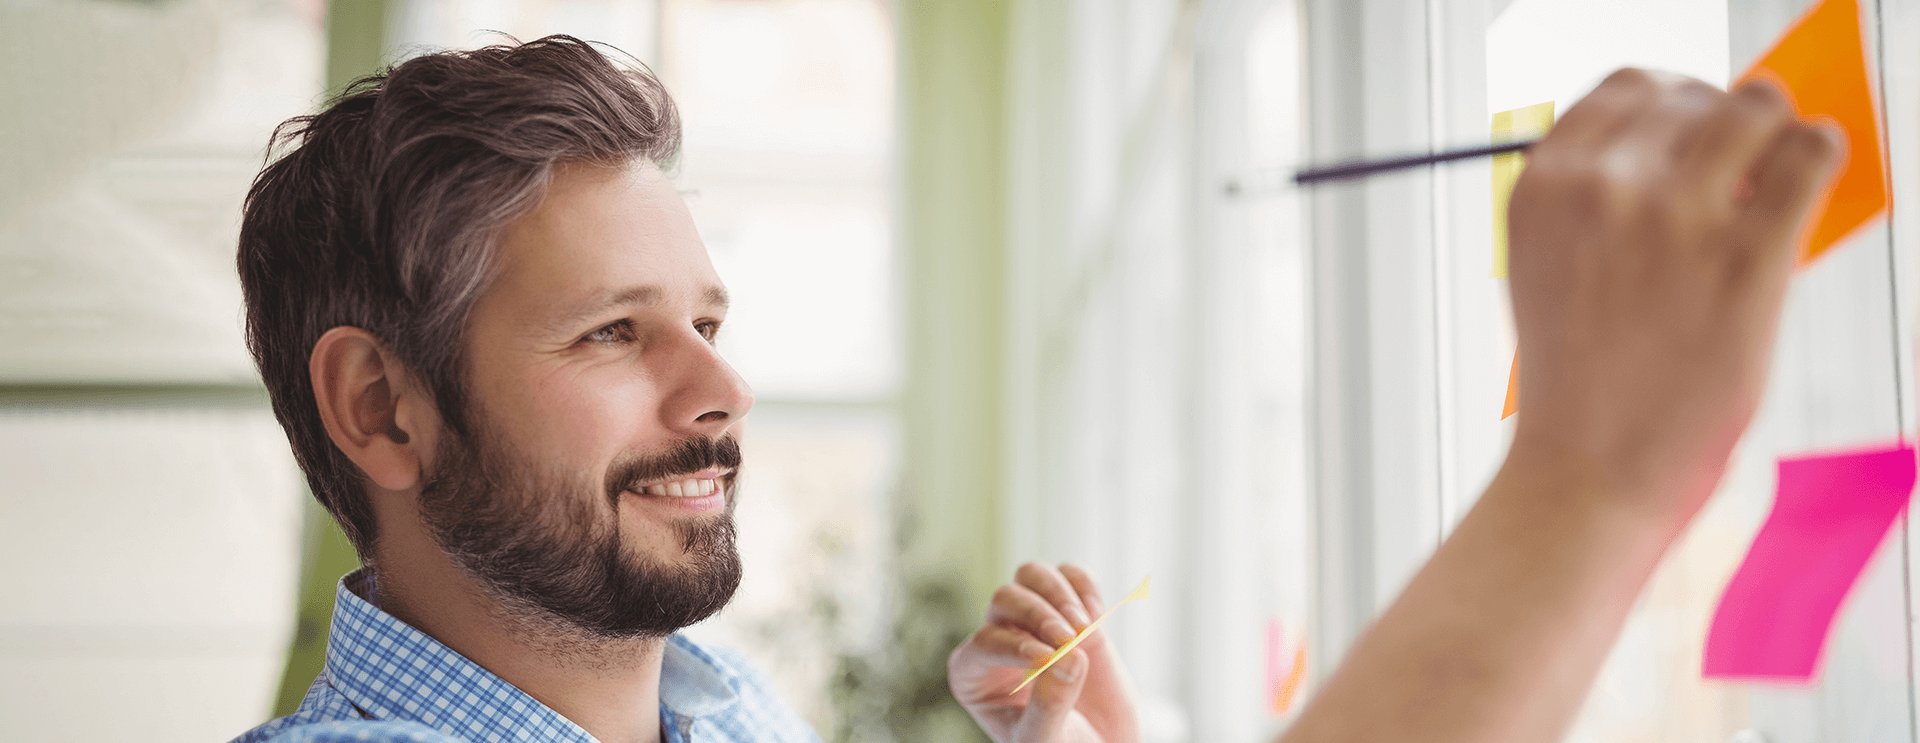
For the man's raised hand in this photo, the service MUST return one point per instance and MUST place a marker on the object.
(1654, 232)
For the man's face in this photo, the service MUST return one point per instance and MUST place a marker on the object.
(596, 487)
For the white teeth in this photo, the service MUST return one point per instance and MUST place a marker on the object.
(683, 488)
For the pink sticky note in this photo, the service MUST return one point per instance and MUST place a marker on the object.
(1830, 513)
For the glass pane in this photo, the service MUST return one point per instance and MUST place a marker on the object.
(789, 116)
(1279, 357)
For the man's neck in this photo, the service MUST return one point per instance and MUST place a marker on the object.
(609, 688)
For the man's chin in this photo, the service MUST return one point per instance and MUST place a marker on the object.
(649, 590)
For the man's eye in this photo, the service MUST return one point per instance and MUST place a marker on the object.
(619, 332)
(708, 330)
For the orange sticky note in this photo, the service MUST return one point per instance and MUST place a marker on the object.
(1513, 388)
(1822, 67)
(1283, 677)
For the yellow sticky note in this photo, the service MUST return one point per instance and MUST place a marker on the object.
(1521, 123)
(1138, 594)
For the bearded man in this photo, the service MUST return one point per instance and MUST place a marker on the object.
(487, 322)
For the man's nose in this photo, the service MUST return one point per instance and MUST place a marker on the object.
(706, 397)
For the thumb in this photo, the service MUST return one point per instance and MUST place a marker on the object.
(1054, 695)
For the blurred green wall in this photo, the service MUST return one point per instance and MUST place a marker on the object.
(953, 103)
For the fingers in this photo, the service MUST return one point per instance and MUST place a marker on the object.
(1641, 124)
(1043, 601)
(998, 645)
(1646, 147)
(1054, 695)
(1026, 621)
(1723, 146)
(1084, 585)
(1789, 177)
(1018, 607)
(1055, 588)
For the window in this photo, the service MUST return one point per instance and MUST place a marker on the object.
(149, 505)
(1161, 342)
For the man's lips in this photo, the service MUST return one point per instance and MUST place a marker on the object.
(693, 485)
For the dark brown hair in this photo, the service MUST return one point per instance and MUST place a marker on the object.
(382, 211)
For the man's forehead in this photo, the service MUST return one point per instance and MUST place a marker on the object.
(607, 236)
(589, 190)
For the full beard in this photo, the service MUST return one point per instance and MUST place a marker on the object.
(540, 545)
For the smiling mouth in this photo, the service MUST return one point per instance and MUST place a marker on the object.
(683, 488)
(693, 486)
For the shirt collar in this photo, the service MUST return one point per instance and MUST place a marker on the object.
(693, 683)
(389, 670)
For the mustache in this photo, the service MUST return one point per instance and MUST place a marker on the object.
(687, 456)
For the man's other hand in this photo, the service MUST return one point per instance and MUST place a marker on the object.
(1084, 698)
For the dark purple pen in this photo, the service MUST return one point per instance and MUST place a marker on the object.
(1364, 168)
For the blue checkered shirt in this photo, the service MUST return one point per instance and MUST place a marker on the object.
(386, 682)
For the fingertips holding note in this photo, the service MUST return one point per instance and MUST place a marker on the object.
(1085, 632)
(1040, 668)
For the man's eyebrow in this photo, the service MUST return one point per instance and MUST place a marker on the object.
(632, 296)
(606, 299)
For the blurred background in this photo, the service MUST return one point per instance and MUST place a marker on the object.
(1014, 280)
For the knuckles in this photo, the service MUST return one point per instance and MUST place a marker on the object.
(1630, 78)
(1612, 198)
(1754, 107)
(1589, 189)
(1813, 144)
(1761, 102)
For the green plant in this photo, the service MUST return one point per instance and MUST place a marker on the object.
(899, 692)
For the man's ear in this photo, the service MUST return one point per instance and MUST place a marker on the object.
(369, 406)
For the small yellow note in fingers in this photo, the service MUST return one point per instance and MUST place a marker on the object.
(1138, 594)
